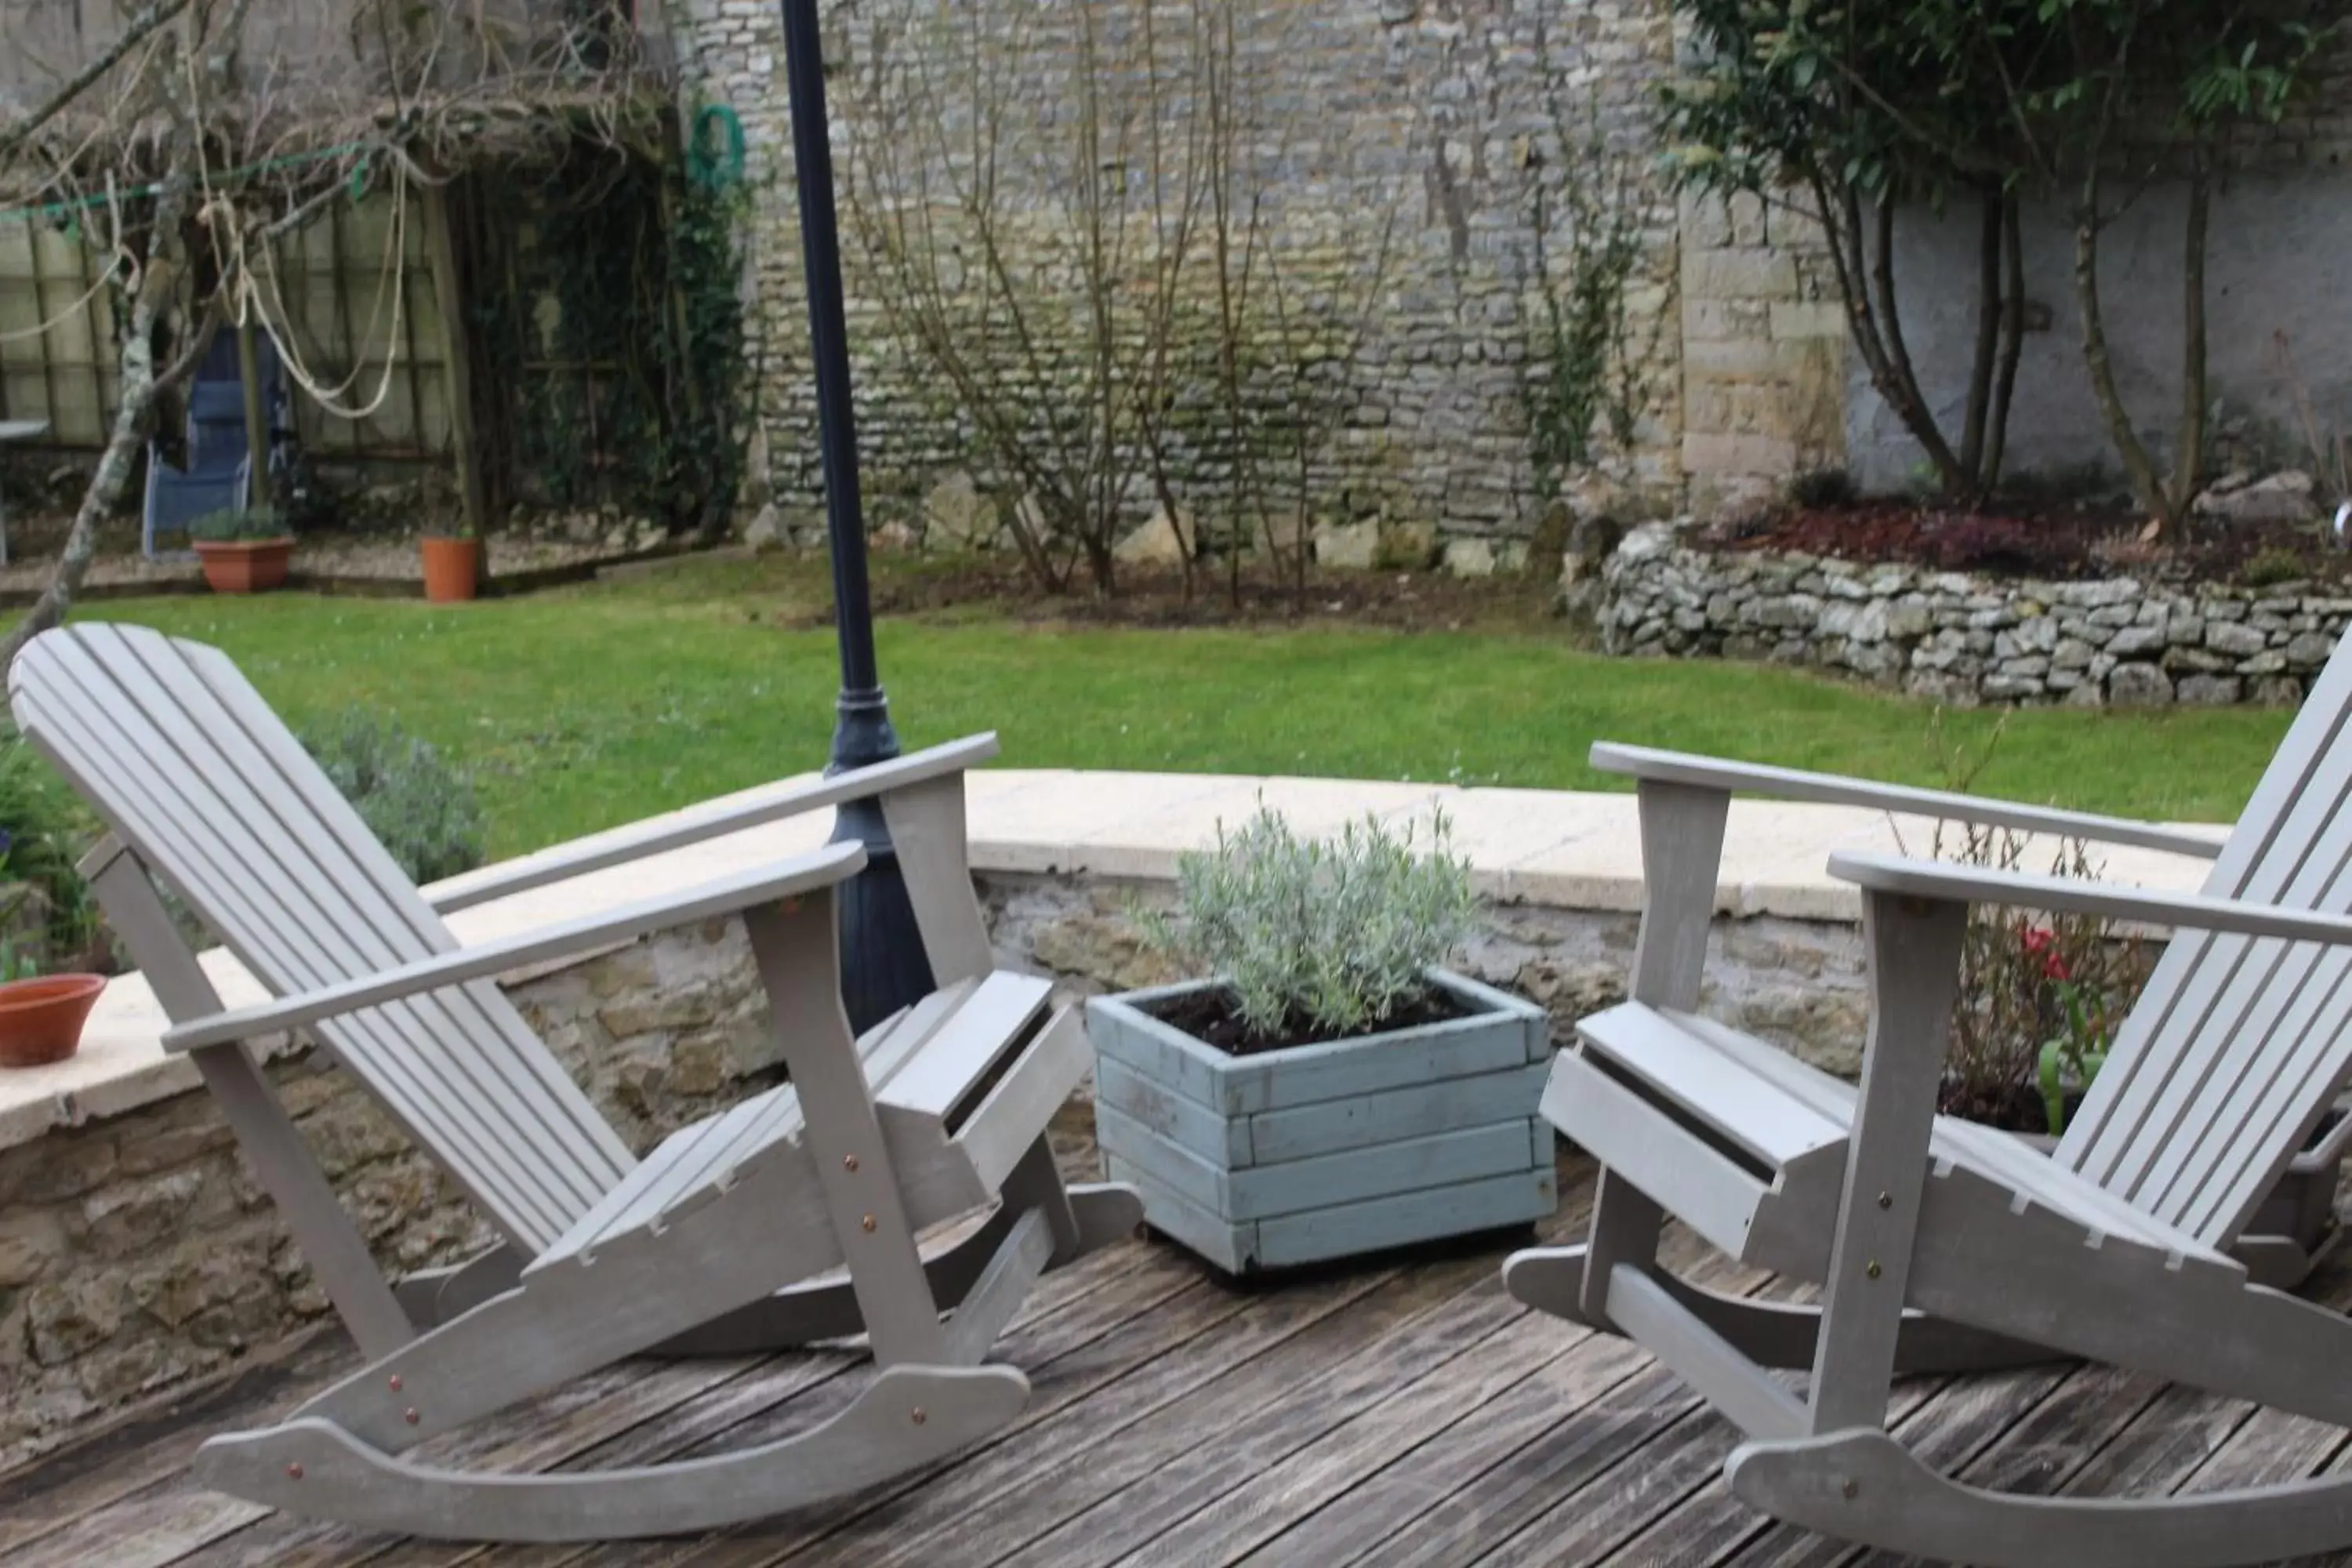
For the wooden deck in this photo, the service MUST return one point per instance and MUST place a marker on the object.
(1404, 1412)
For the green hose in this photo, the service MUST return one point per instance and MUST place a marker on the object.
(715, 171)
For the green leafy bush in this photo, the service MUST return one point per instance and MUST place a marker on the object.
(423, 808)
(44, 828)
(1321, 936)
(2272, 566)
(232, 525)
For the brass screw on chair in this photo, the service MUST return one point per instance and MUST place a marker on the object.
(866, 1224)
(919, 1417)
(1885, 1201)
(1851, 1488)
(849, 1162)
(395, 1381)
(409, 1415)
(1872, 1269)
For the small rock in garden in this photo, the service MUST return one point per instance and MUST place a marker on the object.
(1352, 546)
(2283, 497)
(1470, 557)
(1160, 543)
(956, 516)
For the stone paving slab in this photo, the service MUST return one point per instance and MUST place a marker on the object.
(1555, 847)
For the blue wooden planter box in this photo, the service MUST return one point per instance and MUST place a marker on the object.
(1328, 1150)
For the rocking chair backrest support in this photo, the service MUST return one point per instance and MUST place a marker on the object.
(2235, 1037)
(193, 773)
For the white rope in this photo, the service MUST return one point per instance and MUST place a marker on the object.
(251, 305)
(245, 292)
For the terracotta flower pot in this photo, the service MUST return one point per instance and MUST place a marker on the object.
(41, 1020)
(452, 569)
(244, 565)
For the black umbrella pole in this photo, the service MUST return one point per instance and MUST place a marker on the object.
(882, 964)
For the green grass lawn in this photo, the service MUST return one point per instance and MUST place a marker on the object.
(586, 707)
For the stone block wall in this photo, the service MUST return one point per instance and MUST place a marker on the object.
(1763, 351)
(138, 1254)
(1963, 639)
(1446, 112)
(1449, 111)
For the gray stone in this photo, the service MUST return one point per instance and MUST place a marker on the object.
(2309, 650)
(1408, 546)
(2138, 686)
(29, 1239)
(1356, 546)
(1157, 542)
(2208, 691)
(1470, 557)
(2283, 497)
(2235, 640)
(956, 516)
(2131, 642)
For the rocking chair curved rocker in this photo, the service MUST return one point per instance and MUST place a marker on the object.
(1942, 1245)
(719, 1240)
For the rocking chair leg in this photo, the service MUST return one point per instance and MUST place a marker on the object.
(1682, 853)
(1625, 1226)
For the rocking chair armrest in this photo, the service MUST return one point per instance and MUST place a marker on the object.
(1944, 883)
(1833, 789)
(711, 819)
(772, 883)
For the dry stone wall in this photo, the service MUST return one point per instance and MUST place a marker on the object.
(1964, 639)
(1446, 112)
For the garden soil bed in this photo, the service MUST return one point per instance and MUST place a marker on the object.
(1209, 1017)
(2060, 542)
(1157, 597)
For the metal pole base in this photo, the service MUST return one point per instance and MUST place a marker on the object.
(883, 965)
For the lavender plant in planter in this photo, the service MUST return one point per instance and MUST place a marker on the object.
(1332, 1089)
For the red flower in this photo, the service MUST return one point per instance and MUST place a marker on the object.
(2041, 942)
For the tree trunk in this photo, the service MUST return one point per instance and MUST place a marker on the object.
(1909, 400)
(2012, 342)
(2188, 454)
(1988, 332)
(1877, 338)
(139, 386)
(2148, 487)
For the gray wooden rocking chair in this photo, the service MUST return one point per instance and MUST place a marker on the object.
(1942, 1246)
(715, 1241)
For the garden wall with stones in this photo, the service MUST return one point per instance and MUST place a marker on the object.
(1964, 639)
(1445, 114)
(137, 1253)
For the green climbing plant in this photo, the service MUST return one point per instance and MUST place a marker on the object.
(1588, 377)
(622, 318)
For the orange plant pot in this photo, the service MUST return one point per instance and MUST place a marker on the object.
(244, 565)
(41, 1020)
(453, 567)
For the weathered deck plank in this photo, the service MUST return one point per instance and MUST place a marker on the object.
(1401, 1411)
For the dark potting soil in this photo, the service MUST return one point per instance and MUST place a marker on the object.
(1209, 1017)
(2017, 1110)
(2052, 541)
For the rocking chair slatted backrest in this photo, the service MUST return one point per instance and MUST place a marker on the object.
(193, 773)
(2237, 1046)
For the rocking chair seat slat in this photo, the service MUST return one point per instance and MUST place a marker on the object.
(1746, 1090)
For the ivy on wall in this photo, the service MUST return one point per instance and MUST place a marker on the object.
(615, 318)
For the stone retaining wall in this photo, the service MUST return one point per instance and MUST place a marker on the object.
(138, 1254)
(1964, 639)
